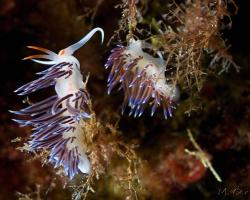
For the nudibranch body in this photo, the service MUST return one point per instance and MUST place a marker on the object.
(142, 78)
(57, 120)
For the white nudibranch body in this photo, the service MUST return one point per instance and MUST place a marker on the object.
(57, 121)
(142, 78)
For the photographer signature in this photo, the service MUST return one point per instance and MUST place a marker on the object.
(235, 191)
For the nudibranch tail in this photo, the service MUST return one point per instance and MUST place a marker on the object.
(57, 121)
(142, 78)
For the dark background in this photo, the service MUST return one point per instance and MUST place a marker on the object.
(56, 24)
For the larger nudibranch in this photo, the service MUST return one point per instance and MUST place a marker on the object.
(142, 78)
(57, 120)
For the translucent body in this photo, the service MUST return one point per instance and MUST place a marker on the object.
(142, 78)
(57, 121)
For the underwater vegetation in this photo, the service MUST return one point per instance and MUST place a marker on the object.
(126, 99)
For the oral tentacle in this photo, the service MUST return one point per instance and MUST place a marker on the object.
(72, 48)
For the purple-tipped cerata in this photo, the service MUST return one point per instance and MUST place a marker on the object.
(142, 79)
(58, 119)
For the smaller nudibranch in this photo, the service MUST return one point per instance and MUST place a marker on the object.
(142, 78)
(57, 120)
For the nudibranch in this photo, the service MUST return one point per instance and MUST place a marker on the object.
(142, 78)
(57, 120)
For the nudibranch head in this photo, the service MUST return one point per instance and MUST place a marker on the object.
(57, 121)
(64, 55)
(142, 78)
